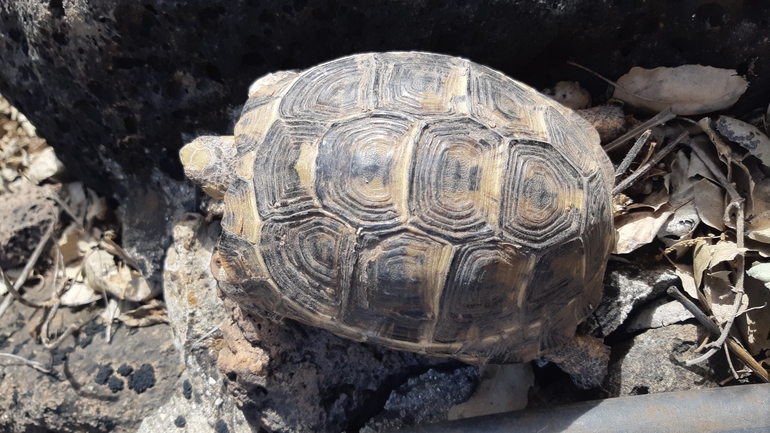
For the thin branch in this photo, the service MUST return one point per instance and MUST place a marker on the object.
(740, 271)
(659, 119)
(730, 362)
(7, 301)
(651, 163)
(34, 364)
(631, 155)
(53, 195)
(206, 335)
(712, 327)
(608, 81)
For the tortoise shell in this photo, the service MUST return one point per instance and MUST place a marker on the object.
(414, 200)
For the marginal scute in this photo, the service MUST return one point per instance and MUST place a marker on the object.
(311, 259)
(240, 215)
(484, 292)
(543, 196)
(599, 237)
(455, 181)
(505, 104)
(555, 294)
(333, 90)
(422, 84)
(396, 285)
(361, 169)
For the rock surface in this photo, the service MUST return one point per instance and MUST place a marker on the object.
(425, 399)
(291, 377)
(118, 86)
(626, 286)
(199, 402)
(85, 391)
(654, 362)
(24, 217)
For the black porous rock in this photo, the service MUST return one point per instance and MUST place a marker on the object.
(180, 422)
(187, 389)
(142, 379)
(115, 384)
(104, 374)
(117, 86)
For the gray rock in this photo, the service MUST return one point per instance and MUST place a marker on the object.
(148, 211)
(199, 402)
(425, 399)
(123, 81)
(660, 312)
(626, 286)
(654, 362)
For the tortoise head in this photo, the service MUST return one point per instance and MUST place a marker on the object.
(209, 161)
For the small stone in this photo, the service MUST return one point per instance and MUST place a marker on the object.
(125, 370)
(221, 427)
(103, 375)
(180, 421)
(187, 389)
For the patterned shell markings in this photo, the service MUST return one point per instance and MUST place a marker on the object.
(418, 201)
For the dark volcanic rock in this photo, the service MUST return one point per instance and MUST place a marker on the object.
(117, 86)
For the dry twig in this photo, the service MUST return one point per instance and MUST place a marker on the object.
(659, 119)
(651, 163)
(632, 153)
(712, 327)
(34, 364)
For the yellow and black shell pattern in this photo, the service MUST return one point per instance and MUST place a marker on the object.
(414, 200)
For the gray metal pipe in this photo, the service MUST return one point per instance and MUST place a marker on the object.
(744, 408)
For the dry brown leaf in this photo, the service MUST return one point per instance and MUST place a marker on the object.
(761, 248)
(698, 168)
(724, 251)
(761, 197)
(685, 273)
(719, 295)
(657, 199)
(687, 89)
(680, 180)
(709, 200)
(701, 256)
(756, 320)
(146, 315)
(120, 281)
(723, 149)
(503, 388)
(638, 229)
(746, 135)
(758, 228)
(681, 224)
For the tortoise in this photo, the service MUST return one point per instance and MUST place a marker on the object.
(413, 200)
